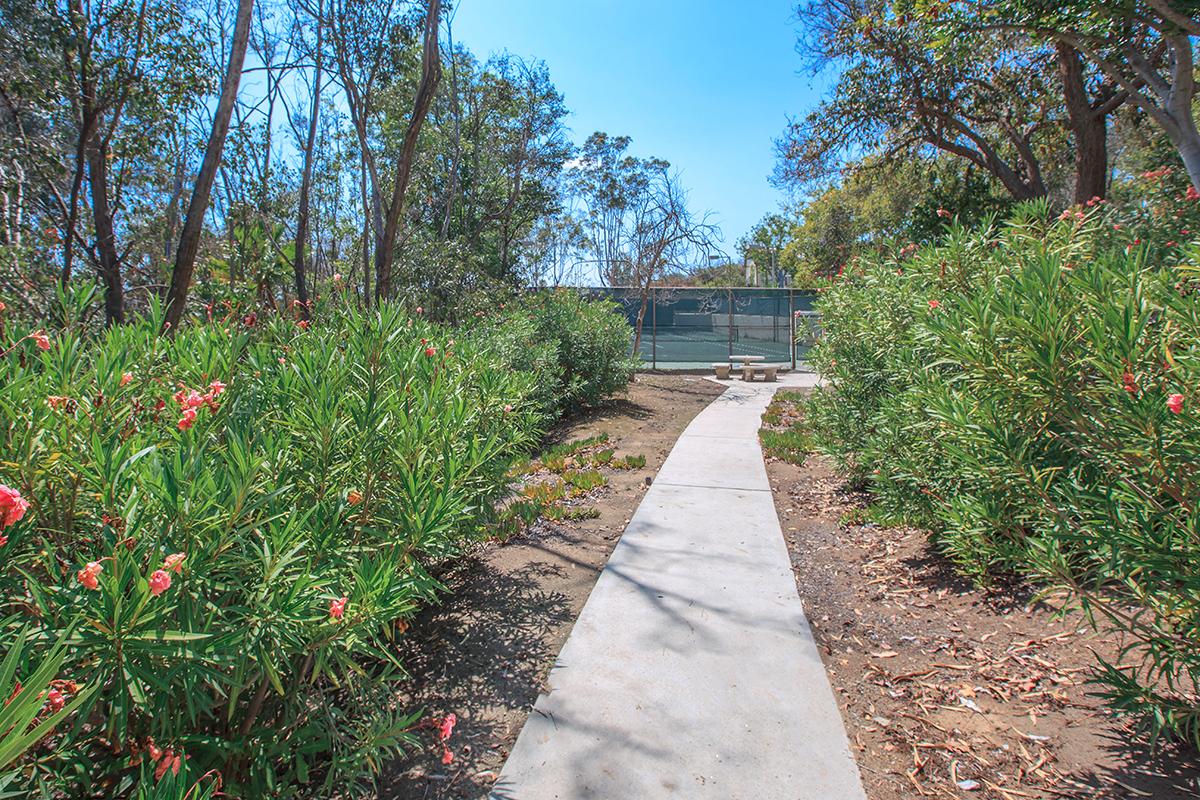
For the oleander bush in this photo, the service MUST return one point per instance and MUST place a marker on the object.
(1027, 390)
(581, 346)
(235, 524)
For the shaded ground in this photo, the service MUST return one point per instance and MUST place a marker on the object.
(946, 690)
(485, 652)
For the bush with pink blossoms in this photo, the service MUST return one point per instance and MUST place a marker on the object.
(235, 524)
(1029, 391)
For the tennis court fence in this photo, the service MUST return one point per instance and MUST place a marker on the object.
(695, 328)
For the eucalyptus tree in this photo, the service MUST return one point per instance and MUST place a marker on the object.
(638, 222)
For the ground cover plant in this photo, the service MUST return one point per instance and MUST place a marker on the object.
(232, 527)
(1026, 390)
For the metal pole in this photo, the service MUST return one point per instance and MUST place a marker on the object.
(729, 297)
(653, 328)
(792, 323)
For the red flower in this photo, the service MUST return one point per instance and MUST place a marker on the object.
(160, 581)
(216, 388)
(174, 563)
(40, 339)
(337, 608)
(1130, 382)
(431, 352)
(188, 419)
(55, 701)
(934, 305)
(420, 310)
(303, 324)
(941, 212)
(354, 498)
(446, 726)
(1175, 403)
(3, 541)
(12, 506)
(1192, 194)
(88, 575)
(126, 378)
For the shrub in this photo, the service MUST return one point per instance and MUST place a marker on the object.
(1027, 391)
(579, 347)
(235, 523)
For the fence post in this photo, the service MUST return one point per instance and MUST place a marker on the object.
(792, 324)
(653, 328)
(729, 298)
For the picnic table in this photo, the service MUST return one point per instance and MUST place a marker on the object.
(749, 368)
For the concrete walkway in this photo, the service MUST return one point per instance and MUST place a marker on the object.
(691, 672)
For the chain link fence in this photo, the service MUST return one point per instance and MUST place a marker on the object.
(695, 328)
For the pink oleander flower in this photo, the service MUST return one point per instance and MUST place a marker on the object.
(216, 388)
(431, 352)
(1192, 194)
(55, 701)
(337, 277)
(508, 408)
(126, 378)
(89, 575)
(3, 540)
(188, 419)
(420, 310)
(446, 726)
(40, 339)
(934, 305)
(174, 563)
(354, 497)
(941, 212)
(1175, 403)
(160, 581)
(337, 608)
(12, 506)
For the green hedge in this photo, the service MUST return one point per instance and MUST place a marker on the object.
(235, 523)
(1028, 392)
(580, 347)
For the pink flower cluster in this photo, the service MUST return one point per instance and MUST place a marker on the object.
(12, 508)
(191, 401)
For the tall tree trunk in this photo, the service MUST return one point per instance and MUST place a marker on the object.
(106, 240)
(193, 226)
(431, 73)
(298, 264)
(1089, 126)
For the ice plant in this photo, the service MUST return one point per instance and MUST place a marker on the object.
(160, 581)
(337, 608)
(12, 506)
(1175, 403)
(89, 575)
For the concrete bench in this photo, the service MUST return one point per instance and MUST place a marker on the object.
(769, 371)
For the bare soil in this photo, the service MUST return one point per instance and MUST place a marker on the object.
(484, 653)
(947, 690)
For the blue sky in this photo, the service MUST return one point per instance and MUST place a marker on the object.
(706, 84)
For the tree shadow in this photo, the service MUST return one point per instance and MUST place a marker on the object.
(1165, 771)
(486, 647)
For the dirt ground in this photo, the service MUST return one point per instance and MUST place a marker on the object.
(947, 690)
(484, 653)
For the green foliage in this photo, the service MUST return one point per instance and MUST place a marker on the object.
(1028, 391)
(234, 524)
(579, 348)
